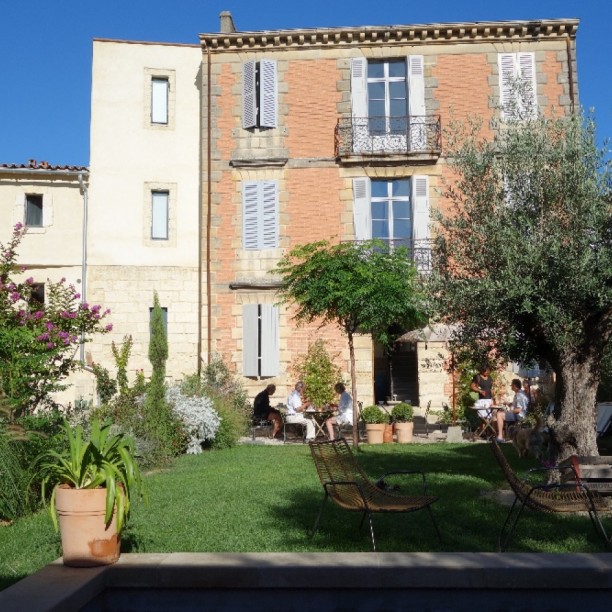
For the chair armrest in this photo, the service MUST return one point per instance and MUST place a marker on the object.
(404, 472)
(558, 468)
(348, 483)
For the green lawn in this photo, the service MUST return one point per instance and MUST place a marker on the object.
(265, 498)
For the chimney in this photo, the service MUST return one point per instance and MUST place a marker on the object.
(226, 23)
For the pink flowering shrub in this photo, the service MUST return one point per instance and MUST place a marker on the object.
(38, 341)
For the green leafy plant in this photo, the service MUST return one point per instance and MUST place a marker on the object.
(104, 460)
(402, 413)
(373, 415)
(317, 370)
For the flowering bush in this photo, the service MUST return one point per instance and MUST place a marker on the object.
(198, 415)
(38, 341)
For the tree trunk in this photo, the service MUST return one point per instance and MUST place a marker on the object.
(573, 423)
(354, 390)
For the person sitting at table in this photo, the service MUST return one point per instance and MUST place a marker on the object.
(263, 410)
(295, 410)
(482, 384)
(345, 410)
(517, 412)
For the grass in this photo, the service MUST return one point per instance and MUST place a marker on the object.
(265, 498)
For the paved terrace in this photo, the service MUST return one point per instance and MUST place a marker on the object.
(322, 581)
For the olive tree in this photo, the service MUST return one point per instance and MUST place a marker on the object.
(359, 286)
(523, 257)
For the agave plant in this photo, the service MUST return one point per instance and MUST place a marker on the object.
(104, 460)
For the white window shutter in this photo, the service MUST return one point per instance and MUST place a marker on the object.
(270, 365)
(507, 75)
(249, 95)
(416, 85)
(250, 335)
(269, 215)
(420, 208)
(268, 93)
(359, 87)
(159, 100)
(362, 209)
(526, 73)
(250, 215)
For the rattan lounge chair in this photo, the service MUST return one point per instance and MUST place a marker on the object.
(565, 497)
(351, 489)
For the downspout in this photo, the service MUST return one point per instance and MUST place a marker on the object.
(85, 193)
(570, 73)
(208, 206)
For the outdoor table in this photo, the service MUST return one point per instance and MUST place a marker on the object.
(488, 423)
(318, 418)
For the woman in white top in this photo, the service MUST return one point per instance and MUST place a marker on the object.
(345, 410)
(295, 410)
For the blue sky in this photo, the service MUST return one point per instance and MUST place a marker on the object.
(46, 48)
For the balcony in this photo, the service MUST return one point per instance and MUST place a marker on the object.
(419, 250)
(385, 138)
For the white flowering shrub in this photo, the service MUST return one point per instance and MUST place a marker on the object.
(198, 415)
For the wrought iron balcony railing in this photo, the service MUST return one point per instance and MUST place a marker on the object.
(418, 250)
(380, 136)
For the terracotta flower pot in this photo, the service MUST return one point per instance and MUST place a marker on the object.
(375, 432)
(404, 432)
(388, 434)
(86, 541)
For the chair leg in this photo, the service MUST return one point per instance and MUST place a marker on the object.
(435, 524)
(504, 540)
(316, 525)
(372, 532)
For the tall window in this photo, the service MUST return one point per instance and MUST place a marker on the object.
(391, 214)
(34, 210)
(37, 297)
(260, 340)
(259, 215)
(164, 310)
(259, 94)
(159, 100)
(387, 97)
(159, 215)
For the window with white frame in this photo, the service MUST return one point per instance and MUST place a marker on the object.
(259, 94)
(260, 340)
(517, 86)
(388, 104)
(395, 210)
(259, 215)
(160, 87)
(159, 215)
(33, 210)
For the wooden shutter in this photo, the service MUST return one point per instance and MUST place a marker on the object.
(420, 208)
(362, 209)
(159, 100)
(250, 215)
(416, 85)
(526, 74)
(250, 340)
(359, 87)
(249, 95)
(269, 215)
(269, 340)
(268, 93)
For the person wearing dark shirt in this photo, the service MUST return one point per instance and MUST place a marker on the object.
(263, 410)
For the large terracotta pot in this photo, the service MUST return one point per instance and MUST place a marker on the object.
(375, 432)
(388, 434)
(86, 541)
(404, 432)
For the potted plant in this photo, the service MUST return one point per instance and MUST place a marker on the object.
(375, 420)
(92, 484)
(402, 415)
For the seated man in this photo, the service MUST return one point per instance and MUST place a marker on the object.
(262, 409)
(345, 410)
(517, 412)
(295, 410)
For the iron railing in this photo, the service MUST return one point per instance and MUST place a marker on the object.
(380, 136)
(418, 250)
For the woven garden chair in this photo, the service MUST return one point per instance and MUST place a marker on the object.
(564, 497)
(351, 489)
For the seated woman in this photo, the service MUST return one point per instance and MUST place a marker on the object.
(263, 410)
(345, 411)
(516, 412)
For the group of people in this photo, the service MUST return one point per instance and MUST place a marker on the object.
(297, 405)
(482, 384)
